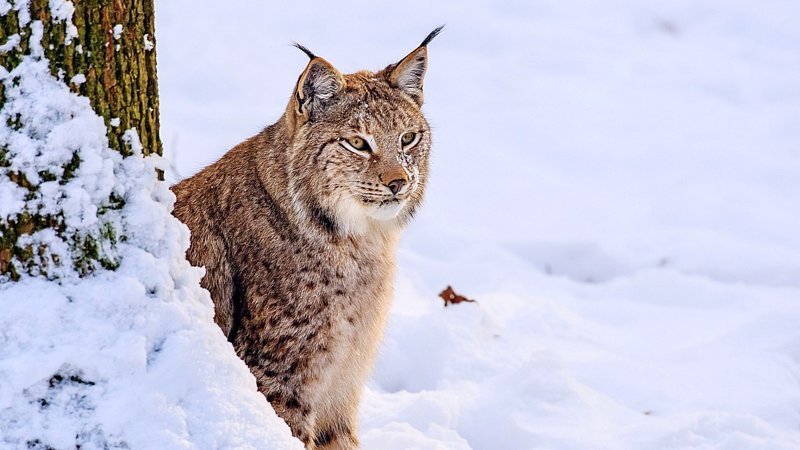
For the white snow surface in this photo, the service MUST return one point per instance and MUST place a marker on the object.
(62, 11)
(117, 31)
(123, 359)
(615, 182)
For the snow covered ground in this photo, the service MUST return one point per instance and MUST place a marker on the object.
(616, 183)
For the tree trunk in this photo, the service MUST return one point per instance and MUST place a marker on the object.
(119, 68)
(104, 50)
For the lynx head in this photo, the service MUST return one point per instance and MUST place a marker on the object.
(359, 143)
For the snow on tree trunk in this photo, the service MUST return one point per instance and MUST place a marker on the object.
(104, 50)
(106, 338)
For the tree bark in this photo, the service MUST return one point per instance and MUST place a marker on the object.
(108, 56)
(120, 72)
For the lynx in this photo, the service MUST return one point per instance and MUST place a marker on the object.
(297, 228)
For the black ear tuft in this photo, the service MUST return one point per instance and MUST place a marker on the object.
(408, 75)
(305, 50)
(432, 35)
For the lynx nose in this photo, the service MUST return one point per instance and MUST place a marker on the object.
(395, 179)
(396, 185)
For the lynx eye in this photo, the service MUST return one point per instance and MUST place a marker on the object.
(409, 138)
(358, 144)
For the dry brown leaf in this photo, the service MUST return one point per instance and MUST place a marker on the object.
(449, 296)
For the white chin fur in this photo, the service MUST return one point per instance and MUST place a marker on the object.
(354, 217)
(386, 212)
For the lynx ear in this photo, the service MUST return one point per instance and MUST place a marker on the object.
(317, 84)
(409, 74)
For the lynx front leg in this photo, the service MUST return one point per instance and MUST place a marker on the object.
(337, 437)
(305, 424)
(337, 419)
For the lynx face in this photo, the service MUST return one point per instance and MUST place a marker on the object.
(360, 145)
